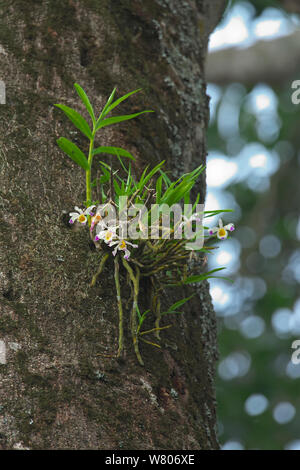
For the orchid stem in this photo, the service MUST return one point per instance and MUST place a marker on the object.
(100, 269)
(135, 281)
(88, 174)
(118, 289)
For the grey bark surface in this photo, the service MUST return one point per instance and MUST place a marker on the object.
(56, 389)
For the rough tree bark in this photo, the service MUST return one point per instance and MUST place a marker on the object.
(56, 390)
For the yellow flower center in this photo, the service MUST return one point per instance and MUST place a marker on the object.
(108, 235)
(222, 232)
(122, 245)
(98, 217)
(82, 218)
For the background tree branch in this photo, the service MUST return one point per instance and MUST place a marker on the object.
(273, 62)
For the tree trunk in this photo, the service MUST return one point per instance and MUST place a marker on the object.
(57, 390)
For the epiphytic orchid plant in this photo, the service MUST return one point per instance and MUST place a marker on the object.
(151, 238)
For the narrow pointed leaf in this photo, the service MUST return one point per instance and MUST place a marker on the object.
(105, 177)
(158, 189)
(73, 152)
(216, 212)
(138, 312)
(201, 277)
(144, 179)
(179, 304)
(82, 94)
(166, 178)
(187, 198)
(123, 166)
(115, 120)
(141, 182)
(106, 106)
(77, 120)
(117, 188)
(118, 101)
(171, 311)
(113, 151)
(129, 178)
(196, 202)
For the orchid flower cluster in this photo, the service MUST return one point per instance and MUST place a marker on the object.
(151, 203)
(104, 232)
(110, 237)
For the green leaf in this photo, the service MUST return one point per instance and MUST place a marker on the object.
(82, 94)
(178, 304)
(115, 120)
(142, 317)
(158, 188)
(196, 202)
(181, 188)
(115, 174)
(166, 178)
(129, 181)
(104, 178)
(77, 120)
(118, 101)
(177, 193)
(106, 106)
(144, 179)
(216, 212)
(140, 183)
(113, 151)
(201, 277)
(187, 198)
(123, 166)
(117, 188)
(73, 152)
(138, 312)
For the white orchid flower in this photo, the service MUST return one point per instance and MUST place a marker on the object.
(122, 246)
(222, 232)
(188, 220)
(108, 234)
(98, 218)
(80, 215)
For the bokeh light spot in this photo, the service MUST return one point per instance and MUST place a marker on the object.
(256, 404)
(284, 412)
